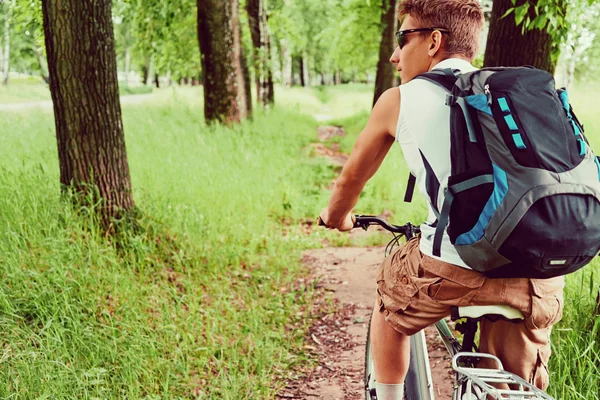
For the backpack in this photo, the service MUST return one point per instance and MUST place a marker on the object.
(523, 196)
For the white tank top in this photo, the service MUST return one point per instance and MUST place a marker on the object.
(423, 132)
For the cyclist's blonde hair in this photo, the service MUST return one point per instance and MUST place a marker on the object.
(463, 18)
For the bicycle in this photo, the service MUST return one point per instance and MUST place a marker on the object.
(470, 383)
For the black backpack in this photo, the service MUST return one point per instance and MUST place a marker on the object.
(523, 196)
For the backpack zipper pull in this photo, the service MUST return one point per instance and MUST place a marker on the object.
(486, 90)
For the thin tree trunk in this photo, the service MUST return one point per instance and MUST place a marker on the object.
(6, 65)
(84, 86)
(145, 72)
(219, 39)
(254, 9)
(302, 75)
(305, 71)
(246, 81)
(168, 78)
(156, 81)
(259, 30)
(286, 64)
(507, 46)
(43, 64)
(269, 87)
(150, 74)
(1, 57)
(244, 97)
(385, 70)
(127, 64)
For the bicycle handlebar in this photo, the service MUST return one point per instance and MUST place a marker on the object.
(364, 221)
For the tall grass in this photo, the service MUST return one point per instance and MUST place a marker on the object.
(204, 302)
(207, 299)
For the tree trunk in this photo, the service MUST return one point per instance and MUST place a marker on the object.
(507, 46)
(43, 64)
(386, 73)
(269, 87)
(254, 9)
(6, 65)
(84, 86)
(145, 73)
(150, 72)
(246, 81)
(259, 30)
(220, 47)
(305, 70)
(156, 81)
(302, 75)
(286, 63)
(168, 78)
(127, 64)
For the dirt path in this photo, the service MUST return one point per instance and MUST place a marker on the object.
(47, 104)
(339, 339)
(349, 273)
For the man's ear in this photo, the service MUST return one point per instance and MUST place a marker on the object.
(435, 43)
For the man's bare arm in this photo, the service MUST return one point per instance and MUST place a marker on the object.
(368, 153)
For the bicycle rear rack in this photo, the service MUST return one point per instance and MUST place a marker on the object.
(475, 383)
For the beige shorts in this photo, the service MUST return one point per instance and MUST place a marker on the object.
(415, 291)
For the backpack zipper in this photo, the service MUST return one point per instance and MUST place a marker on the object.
(486, 90)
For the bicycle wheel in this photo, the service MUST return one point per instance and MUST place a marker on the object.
(369, 367)
(418, 384)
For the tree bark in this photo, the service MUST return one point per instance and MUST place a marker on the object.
(246, 81)
(259, 30)
(302, 75)
(305, 71)
(386, 73)
(219, 36)
(270, 87)
(84, 86)
(507, 46)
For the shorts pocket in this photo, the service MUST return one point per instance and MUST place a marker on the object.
(546, 303)
(395, 283)
(448, 284)
(445, 291)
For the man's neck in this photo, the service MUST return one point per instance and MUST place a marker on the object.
(436, 60)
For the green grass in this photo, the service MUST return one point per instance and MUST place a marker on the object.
(23, 89)
(206, 301)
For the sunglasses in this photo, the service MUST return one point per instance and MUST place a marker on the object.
(401, 35)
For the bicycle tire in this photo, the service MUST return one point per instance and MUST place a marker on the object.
(417, 385)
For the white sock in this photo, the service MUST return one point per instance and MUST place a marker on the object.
(389, 392)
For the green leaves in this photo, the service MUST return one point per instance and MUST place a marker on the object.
(521, 13)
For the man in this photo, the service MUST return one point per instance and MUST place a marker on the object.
(416, 289)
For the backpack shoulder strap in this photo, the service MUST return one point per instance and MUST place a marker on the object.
(445, 78)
